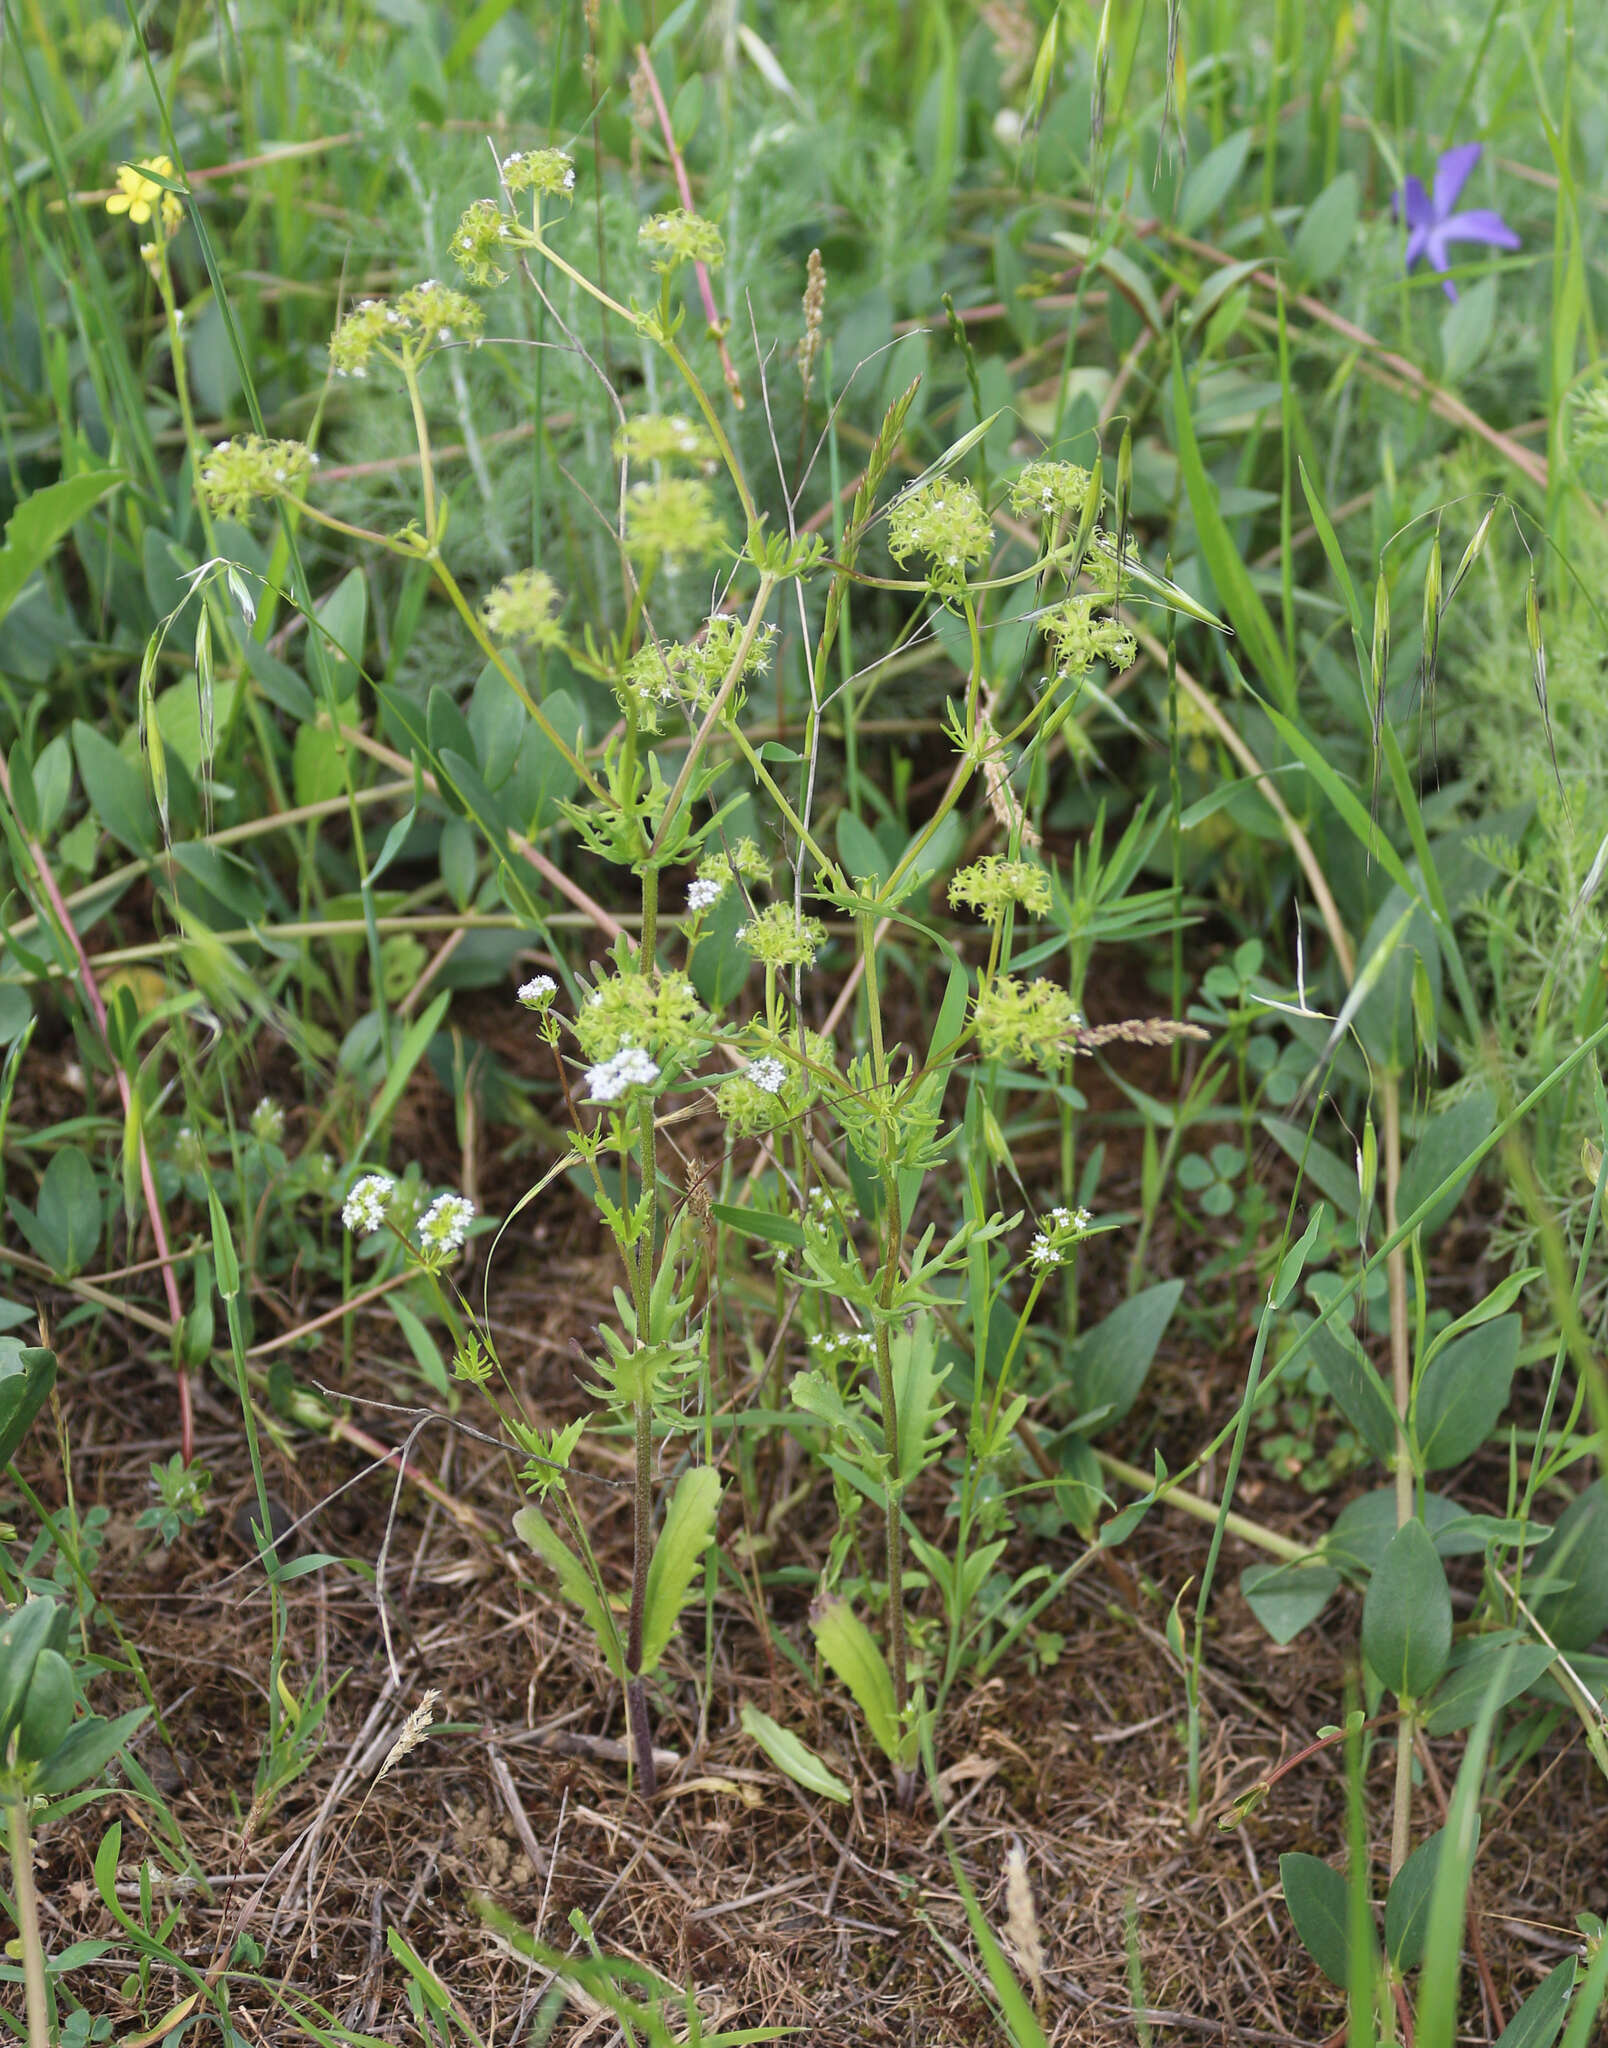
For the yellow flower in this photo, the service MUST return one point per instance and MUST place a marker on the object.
(137, 195)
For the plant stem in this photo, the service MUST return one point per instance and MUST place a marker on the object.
(1402, 1386)
(636, 1697)
(20, 1841)
(892, 1242)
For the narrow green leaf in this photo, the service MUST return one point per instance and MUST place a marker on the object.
(408, 1055)
(853, 1653)
(40, 521)
(689, 1524)
(532, 1526)
(793, 1758)
(1246, 611)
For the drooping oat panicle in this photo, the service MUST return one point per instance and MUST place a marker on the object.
(412, 1733)
(809, 348)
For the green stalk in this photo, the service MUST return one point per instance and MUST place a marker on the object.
(33, 1948)
(892, 1241)
(636, 1692)
(1402, 1388)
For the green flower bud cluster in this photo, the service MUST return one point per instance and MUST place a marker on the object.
(1080, 636)
(1030, 1021)
(780, 937)
(944, 521)
(773, 1089)
(678, 237)
(481, 237)
(991, 885)
(1050, 491)
(547, 171)
(659, 1013)
(522, 608)
(672, 521)
(741, 860)
(689, 676)
(426, 316)
(235, 473)
(666, 437)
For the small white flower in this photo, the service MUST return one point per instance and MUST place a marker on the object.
(704, 892)
(768, 1074)
(630, 1067)
(1043, 1253)
(538, 992)
(367, 1203)
(268, 1121)
(445, 1224)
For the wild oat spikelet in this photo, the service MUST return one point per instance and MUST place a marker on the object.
(413, 1732)
(809, 348)
(1021, 1920)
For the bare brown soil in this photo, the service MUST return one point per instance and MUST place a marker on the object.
(843, 1923)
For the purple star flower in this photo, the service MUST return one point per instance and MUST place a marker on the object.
(1431, 223)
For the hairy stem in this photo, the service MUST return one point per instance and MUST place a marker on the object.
(33, 1949)
(636, 1696)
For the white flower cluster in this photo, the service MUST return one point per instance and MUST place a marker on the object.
(703, 893)
(367, 1203)
(844, 1344)
(538, 992)
(630, 1067)
(1065, 1227)
(767, 1073)
(445, 1224)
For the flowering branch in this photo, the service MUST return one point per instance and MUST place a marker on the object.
(717, 326)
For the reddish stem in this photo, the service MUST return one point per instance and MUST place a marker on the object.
(153, 1206)
(717, 327)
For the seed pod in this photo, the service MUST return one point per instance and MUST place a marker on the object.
(1367, 1178)
(1038, 85)
(1093, 499)
(1102, 63)
(47, 1712)
(1124, 500)
(1538, 668)
(1432, 614)
(1471, 553)
(1381, 669)
(151, 732)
